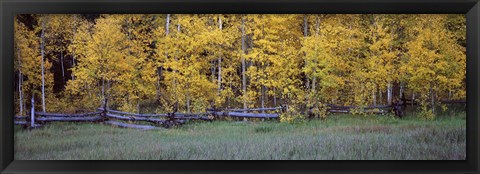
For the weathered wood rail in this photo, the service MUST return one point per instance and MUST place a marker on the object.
(70, 119)
(246, 110)
(244, 115)
(382, 109)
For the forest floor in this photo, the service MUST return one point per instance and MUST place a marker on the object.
(339, 137)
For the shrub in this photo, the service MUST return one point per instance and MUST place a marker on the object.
(292, 115)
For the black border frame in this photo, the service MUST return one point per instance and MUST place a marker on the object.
(8, 8)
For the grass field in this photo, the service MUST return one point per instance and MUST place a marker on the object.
(340, 137)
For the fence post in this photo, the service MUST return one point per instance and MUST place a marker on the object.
(104, 114)
(32, 113)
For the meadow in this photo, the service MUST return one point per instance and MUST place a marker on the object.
(339, 137)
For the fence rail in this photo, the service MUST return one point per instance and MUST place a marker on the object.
(43, 114)
(69, 119)
(134, 118)
(245, 110)
(245, 115)
(133, 114)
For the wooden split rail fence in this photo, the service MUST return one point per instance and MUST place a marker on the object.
(112, 117)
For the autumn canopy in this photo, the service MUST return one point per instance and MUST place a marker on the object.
(146, 63)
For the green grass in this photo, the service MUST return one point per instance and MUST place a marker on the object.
(340, 137)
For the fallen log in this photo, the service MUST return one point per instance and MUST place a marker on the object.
(66, 115)
(247, 115)
(87, 119)
(133, 126)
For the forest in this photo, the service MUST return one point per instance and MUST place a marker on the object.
(154, 63)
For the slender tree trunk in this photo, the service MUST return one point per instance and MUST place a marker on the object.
(188, 99)
(314, 79)
(138, 107)
(159, 69)
(432, 94)
(43, 66)
(374, 96)
(159, 76)
(213, 70)
(167, 25)
(305, 25)
(413, 98)
(103, 90)
(73, 40)
(107, 92)
(305, 34)
(389, 93)
(219, 59)
(32, 112)
(402, 88)
(63, 68)
(244, 79)
(175, 71)
(73, 65)
(20, 94)
(228, 96)
(274, 97)
(380, 97)
(262, 89)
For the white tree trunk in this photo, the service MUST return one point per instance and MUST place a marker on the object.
(103, 91)
(20, 94)
(432, 94)
(32, 113)
(63, 68)
(219, 60)
(107, 92)
(389, 93)
(73, 40)
(263, 97)
(374, 96)
(244, 79)
(413, 98)
(188, 102)
(167, 25)
(314, 78)
(305, 34)
(43, 66)
(73, 65)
